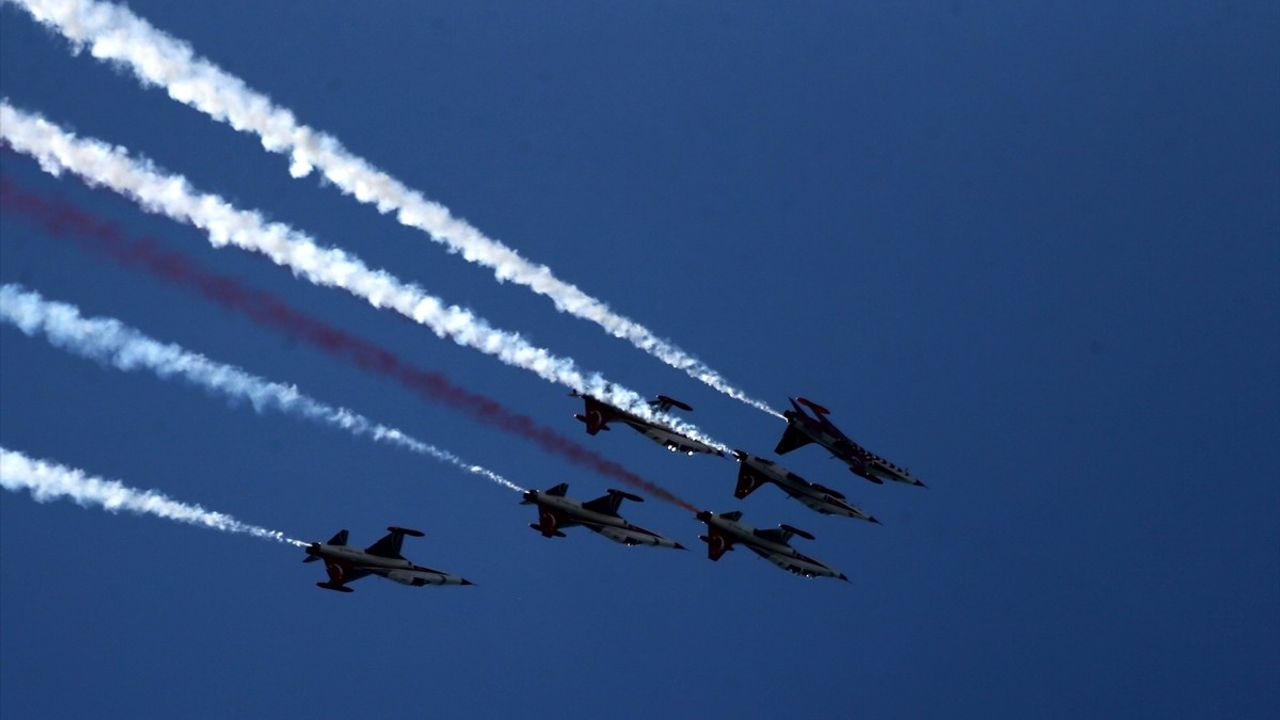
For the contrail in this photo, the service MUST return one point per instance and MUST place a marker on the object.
(48, 481)
(101, 164)
(114, 34)
(112, 342)
(63, 220)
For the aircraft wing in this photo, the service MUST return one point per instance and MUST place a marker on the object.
(791, 439)
(777, 535)
(791, 565)
(608, 503)
(389, 546)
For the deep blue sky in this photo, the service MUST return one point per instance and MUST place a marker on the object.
(1028, 251)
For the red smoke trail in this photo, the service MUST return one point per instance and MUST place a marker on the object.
(67, 221)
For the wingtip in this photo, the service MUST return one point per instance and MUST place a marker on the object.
(873, 519)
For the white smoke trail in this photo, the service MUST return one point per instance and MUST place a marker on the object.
(48, 481)
(112, 33)
(101, 164)
(110, 341)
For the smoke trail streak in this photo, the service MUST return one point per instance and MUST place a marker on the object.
(48, 481)
(101, 164)
(63, 220)
(114, 34)
(111, 342)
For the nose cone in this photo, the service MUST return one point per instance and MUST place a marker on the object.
(465, 581)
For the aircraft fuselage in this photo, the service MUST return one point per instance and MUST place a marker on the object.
(723, 533)
(353, 563)
(557, 511)
(671, 440)
(820, 499)
(861, 462)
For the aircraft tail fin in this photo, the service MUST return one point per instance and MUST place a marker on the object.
(791, 439)
(717, 544)
(748, 481)
(558, 490)
(338, 539)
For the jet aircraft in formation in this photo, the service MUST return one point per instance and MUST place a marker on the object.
(598, 414)
(347, 564)
(755, 471)
(803, 428)
(556, 511)
(727, 529)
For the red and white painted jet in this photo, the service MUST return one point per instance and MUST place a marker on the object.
(803, 428)
(556, 511)
(755, 471)
(726, 530)
(347, 564)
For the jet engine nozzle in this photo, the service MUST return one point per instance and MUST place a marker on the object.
(704, 516)
(313, 553)
(528, 496)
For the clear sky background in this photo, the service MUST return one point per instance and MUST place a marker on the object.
(1028, 250)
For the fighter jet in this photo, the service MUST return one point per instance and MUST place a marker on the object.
(347, 564)
(556, 511)
(725, 530)
(755, 471)
(598, 414)
(803, 429)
